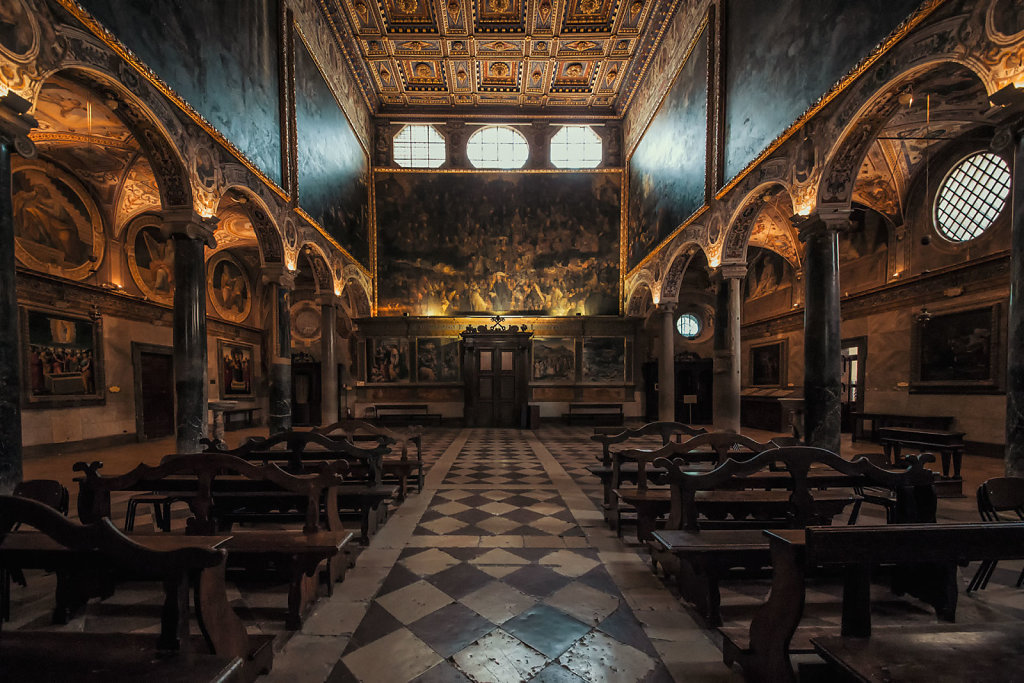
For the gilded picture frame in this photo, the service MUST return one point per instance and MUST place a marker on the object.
(236, 369)
(62, 359)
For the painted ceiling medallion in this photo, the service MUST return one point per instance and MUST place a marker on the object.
(545, 10)
(590, 6)
(581, 45)
(499, 69)
(407, 6)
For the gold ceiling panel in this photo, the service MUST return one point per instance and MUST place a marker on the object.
(534, 56)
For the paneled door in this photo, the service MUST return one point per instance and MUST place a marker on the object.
(154, 395)
(495, 368)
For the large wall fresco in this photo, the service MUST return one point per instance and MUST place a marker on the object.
(223, 58)
(764, 92)
(667, 172)
(450, 243)
(333, 168)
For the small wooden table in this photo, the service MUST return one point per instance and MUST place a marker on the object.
(949, 444)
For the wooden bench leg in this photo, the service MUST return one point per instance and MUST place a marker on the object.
(302, 590)
(223, 631)
(698, 585)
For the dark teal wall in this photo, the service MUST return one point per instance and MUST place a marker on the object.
(221, 56)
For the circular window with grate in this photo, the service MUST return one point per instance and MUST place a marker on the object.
(972, 196)
(688, 326)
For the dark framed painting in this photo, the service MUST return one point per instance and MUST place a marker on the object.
(768, 364)
(958, 351)
(63, 359)
(236, 368)
(387, 360)
(437, 359)
(604, 360)
(554, 359)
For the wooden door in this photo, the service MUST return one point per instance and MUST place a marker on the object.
(154, 404)
(495, 371)
(306, 397)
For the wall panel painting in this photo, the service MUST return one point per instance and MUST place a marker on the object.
(554, 359)
(235, 363)
(604, 360)
(958, 352)
(387, 360)
(62, 359)
(668, 169)
(452, 243)
(437, 359)
(333, 169)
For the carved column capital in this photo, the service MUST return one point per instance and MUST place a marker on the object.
(821, 223)
(185, 222)
(278, 274)
(15, 123)
(733, 271)
(667, 307)
(328, 299)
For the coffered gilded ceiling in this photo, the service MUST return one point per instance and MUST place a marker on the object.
(534, 56)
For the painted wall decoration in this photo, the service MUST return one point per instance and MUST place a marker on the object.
(957, 352)
(497, 242)
(221, 57)
(767, 272)
(151, 260)
(57, 226)
(764, 94)
(19, 33)
(333, 168)
(667, 171)
(604, 360)
(768, 364)
(63, 359)
(387, 360)
(437, 359)
(306, 321)
(554, 359)
(235, 364)
(227, 283)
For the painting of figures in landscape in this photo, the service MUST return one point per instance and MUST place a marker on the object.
(236, 369)
(958, 351)
(554, 360)
(437, 359)
(62, 363)
(387, 360)
(604, 360)
(453, 243)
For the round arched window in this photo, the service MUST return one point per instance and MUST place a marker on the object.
(972, 196)
(418, 145)
(497, 147)
(688, 326)
(576, 147)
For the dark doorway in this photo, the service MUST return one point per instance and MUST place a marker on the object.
(496, 374)
(855, 355)
(306, 394)
(154, 390)
(694, 391)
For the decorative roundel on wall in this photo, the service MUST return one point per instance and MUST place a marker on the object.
(305, 321)
(227, 284)
(150, 259)
(291, 233)
(19, 32)
(714, 231)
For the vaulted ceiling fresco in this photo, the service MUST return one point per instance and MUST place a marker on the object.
(533, 55)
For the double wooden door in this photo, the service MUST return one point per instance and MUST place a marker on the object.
(496, 372)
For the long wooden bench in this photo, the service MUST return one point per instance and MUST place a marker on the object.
(223, 653)
(221, 489)
(400, 469)
(882, 420)
(595, 413)
(405, 413)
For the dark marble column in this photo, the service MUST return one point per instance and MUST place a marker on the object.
(191, 235)
(727, 364)
(1015, 327)
(281, 281)
(822, 353)
(667, 364)
(14, 127)
(328, 358)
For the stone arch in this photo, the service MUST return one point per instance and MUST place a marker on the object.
(356, 299)
(737, 235)
(319, 265)
(640, 301)
(678, 263)
(268, 235)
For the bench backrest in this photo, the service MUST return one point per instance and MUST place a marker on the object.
(914, 485)
(295, 447)
(666, 430)
(1001, 494)
(915, 543)
(351, 430)
(712, 447)
(94, 488)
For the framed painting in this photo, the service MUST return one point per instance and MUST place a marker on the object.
(387, 360)
(768, 364)
(236, 368)
(958, 351)
(62, 359)
(604, 360)
(437, 359)
(554, 360)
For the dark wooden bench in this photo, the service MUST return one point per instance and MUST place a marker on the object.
(221, 490)
(950, 445)
(595, 413)
(224, 652)
(882, 420)
(405, 413)
(400, 469)
(741, 496)
(244, 415)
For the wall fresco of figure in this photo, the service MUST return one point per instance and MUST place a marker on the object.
(667, 172)
(450, 243)
(333, 168)
(221, 57)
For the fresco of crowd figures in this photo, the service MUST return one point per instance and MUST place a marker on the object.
(554, 360)
(764, 94)
(334, 171)
(437, 359)
(604, 360)
(387, 360)
(221, 57)
(451, 243)
(63, 360)
(57, 226)
(236, 369)
(667, 171)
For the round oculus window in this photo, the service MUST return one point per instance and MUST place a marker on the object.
(972, 196)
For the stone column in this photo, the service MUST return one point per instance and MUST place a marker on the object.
(822, 354)
(281, 282)
(1015, 328)
(15, 124)
(328, 357)
(191, 235)
(727, 363)
(667, 364)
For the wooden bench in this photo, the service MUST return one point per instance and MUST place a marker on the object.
(757, 498)
(222, 489)
(245, 416)
(595, 413)
(223, 653)
(949, 444)
(882, 420)
(401, 469)
(405, 413)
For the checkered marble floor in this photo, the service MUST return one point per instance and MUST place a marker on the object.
(536, 512)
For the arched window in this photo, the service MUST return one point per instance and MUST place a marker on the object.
(688, 326)
(418, 145)
(576, 147)
(497, 147)
(972, 196)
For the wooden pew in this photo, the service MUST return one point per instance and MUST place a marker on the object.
(702, 552)
(403, 468)
(599, 413)
(224, 652)
(218, 488)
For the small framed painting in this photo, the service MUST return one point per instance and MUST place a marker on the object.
(235, 364)
(437, 359)
(768, 364)
(957, 352)
(604, 360)
(62, 359)
(387, 360)
(554, 359)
